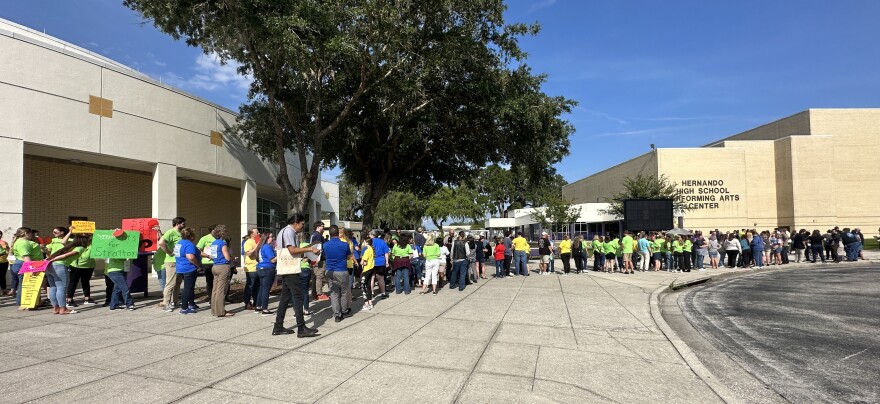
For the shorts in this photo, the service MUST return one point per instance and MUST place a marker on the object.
(545, 259)
(610, 256)
(379, 270)
(656, 256)
(713, 254)
(627, 257)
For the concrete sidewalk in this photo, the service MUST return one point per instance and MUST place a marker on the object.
(576, 338)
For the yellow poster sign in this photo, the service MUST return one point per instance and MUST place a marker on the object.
(82, 227)
(30, 289)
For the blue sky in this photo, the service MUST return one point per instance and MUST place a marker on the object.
(672, 73)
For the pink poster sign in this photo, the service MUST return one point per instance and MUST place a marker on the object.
(34, 266)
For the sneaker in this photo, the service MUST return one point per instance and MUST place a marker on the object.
(129, 308)
(71, 304)
(89, 302)
(265, 313)
(187, 311)
(169, 308)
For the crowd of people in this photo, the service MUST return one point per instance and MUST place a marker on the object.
(422, 261)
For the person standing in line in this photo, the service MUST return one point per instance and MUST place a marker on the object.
(508, 253)
(565, 254)
(265, 271)
(288, 238)
(733, 248)
(678, 253)
(712, 247)
(598, 254)
(432, 265)
(544, 253)
(577, 253)
(418, 261)
(499, 255)
(444, 258)
(368, 263)
(250, 260)
(338, 254)
(799, 245)
(626, 245)
(401, 265)
(347, 237)
(816, 240)
(187, 257)
(220, 258)
(382, 255)
(460, 252)
(687, 252)
(702, 249)
(158, 263)
(520, 255)
(610, 249)
(757, 245)
(81, 270)
(552, 246)
(204, 246)
(746, 252)
(167, 243)
(115, 270)
(318, 273)
(480, 256)
(658, 246)
(644, 252)
(722, 248)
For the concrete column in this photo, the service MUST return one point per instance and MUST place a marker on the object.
(12, 197)
(248, 205)
(165, 194)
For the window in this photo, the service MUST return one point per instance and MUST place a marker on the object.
(270, 216)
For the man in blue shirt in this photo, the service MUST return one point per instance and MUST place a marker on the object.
(380, 248)
(337, 252)
(644, 252)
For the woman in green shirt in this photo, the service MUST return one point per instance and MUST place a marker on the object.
(402, 252)
(610, 248)
(57, 274)
(24, 249)
(81, 270)
(678, 253)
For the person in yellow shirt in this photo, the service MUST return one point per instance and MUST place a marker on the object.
(249, 255)
(368, 263)
(565, 254)
(520, 255)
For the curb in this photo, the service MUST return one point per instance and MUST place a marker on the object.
(684, 351)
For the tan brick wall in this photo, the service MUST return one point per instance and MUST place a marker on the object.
(57, 189)
(203, 204)
(603, 184)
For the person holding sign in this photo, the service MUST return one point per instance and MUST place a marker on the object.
(288, 239)
(82, 267)
(220, 257)
(115, 270)
(186, 257)
(57, 274)
(167, 243)
(25, 249)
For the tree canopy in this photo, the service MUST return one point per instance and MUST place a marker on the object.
(557, 214)
(645, 187)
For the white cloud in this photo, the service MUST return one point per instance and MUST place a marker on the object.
(542, 4)
(210, 75)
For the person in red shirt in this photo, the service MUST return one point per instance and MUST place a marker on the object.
(499, 258)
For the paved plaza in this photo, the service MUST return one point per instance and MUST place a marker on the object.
(577, 338)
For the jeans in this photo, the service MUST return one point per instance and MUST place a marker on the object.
(499, 268)
(305, 277)
(817, 251)
(418, 264)
(759, 259)
(120, 288)
(701, 256)
(291, 289)
(57, 276)
(852, 251)
(161, 276)
(15, 280)
(669, 261)
(266, 276)
(402, 274)
(251, 288)
(520, 263)
(550, 267)
(187, 295)
(459, 273)
(507, 260)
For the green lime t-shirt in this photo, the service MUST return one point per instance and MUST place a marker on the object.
(114, 265)
(660, 245)
(171, 238)
(304, 264)
(158, 260)
(610, 247)
(431, 252)
(26, 248)
(84, 259)
(688, 246)
(55, 245)
(205, 241)
(73, 258)
(627, 244)
(677, 246)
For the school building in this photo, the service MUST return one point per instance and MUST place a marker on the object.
(814, 170)
(87, 138)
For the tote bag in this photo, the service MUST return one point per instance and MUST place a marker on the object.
(285, 263)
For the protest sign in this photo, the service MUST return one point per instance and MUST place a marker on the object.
(30, 289)
(106, 245)
(146, 227)
(82, 227)
(33, 266)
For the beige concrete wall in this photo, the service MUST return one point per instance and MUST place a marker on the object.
(795, 125)
(814, 187)
(603, 184)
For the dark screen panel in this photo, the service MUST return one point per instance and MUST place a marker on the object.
(648, 214)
